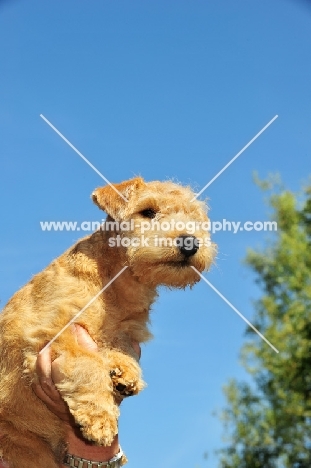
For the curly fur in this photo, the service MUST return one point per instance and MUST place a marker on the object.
(37, 312)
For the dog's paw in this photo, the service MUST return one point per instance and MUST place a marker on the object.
(126, 381)
(100, 428)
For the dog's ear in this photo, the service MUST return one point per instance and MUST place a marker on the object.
(114, 198)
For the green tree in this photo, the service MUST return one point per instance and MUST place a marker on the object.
(268, 423)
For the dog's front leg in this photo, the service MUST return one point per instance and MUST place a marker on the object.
(87, 388)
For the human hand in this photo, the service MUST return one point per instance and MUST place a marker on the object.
(49, 374)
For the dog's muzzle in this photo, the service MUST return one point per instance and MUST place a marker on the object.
(188, 245)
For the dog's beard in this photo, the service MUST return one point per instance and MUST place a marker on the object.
(167, 266)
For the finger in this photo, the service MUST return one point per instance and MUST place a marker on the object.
(3, 464)
(47, 393)
(43, 367)
(41, 394)
(137, 348)
(56, 366)
(56, 405)
(45, 389)
(44, 373)
(84, 338)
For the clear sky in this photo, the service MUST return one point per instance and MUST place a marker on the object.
(162, 89)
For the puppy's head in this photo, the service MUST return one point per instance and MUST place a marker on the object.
(155, 223)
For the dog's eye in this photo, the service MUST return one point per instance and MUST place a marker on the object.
(148, 213)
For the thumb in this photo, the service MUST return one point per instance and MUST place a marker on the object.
(83, 338)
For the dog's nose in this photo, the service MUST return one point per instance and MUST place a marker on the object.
(188, 245)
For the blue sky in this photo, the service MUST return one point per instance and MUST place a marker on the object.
(161, 89)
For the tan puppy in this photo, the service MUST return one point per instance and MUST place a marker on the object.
(159, 234)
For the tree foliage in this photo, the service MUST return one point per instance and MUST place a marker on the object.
(268, 424)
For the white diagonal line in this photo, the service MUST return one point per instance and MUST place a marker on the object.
(235, 310)
(235, 157)
(83, 157)
(82, 310)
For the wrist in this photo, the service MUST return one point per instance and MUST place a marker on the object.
(115, 462)
(83, 448)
